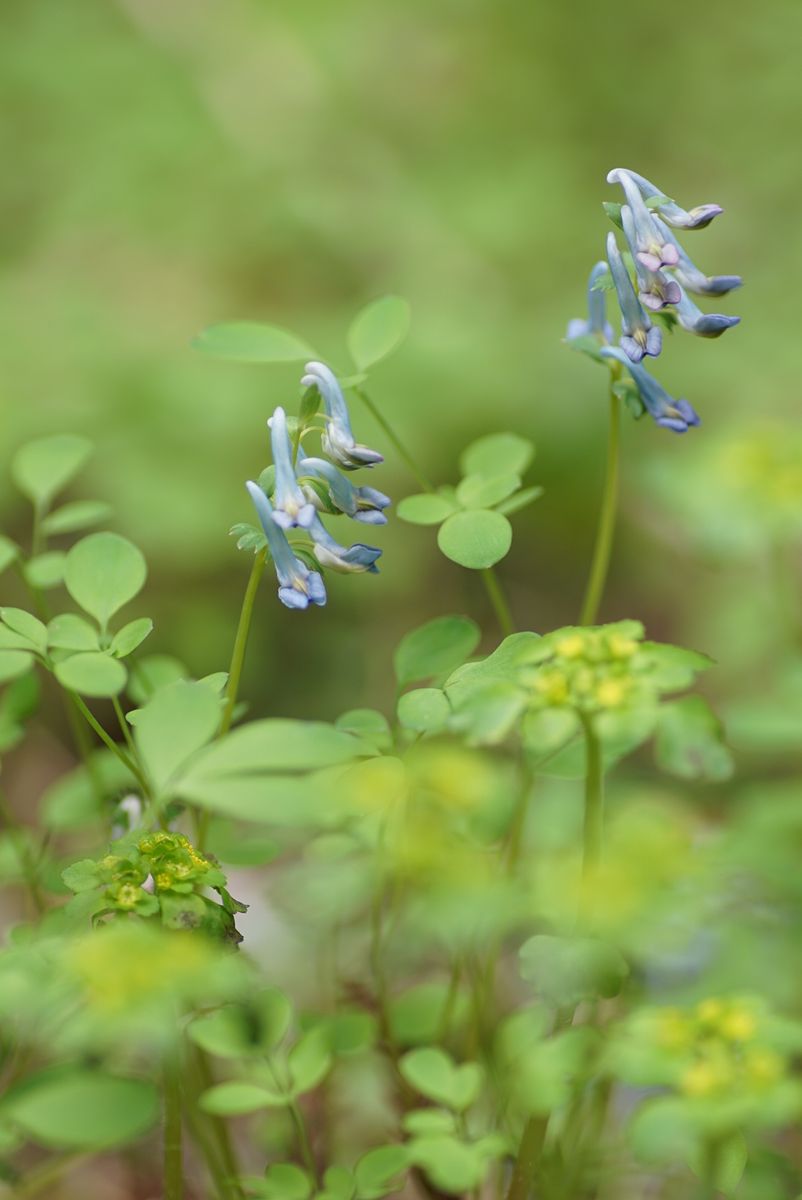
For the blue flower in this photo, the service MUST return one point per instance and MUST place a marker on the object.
(691, 277)
(655, 289)
(709, 325)
(338, 439)
(298, 586)
(672, 214)
(676, 415)
(345, 559)
(639, 336)
(649, 247)
(362, 503)
(290, 506)
(596, 322)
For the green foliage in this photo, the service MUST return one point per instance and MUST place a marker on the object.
(250, 341)
(378, 330)
(78, 1109)
(43, 468)
(435, 649)
(103, 572)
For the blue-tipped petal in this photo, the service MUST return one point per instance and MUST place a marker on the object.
(338, 439)
(709, 325)
(290, 505)
(676, 415)
(638, 333)
(345, 559)
(361, 503)
(596, 323)
(649, 247)
(694, 280)
(298, 585)
(672, 214)
(655, 289)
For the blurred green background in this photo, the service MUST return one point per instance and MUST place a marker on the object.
(172, 163)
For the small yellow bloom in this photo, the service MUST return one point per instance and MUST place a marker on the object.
(738, 1025)
(763, 1067)
(127, 896)
(612, 692)
(620, 646)
(572, 646)
(703, 1078)
(163, 881)
(673, 1031)
(710, 1012)
(553, 687)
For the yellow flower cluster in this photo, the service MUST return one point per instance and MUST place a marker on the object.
(590, 669)
(723, 1048)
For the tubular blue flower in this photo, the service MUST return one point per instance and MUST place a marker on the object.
(655, 289)
(338, 439)
(596, 322)
(648, 245)
(676, 415)
(345, 559)
(689, 275)
(290, 505)
(709, 325)
(298, 586)
(639, 336)
(361, 503)
(672, 214)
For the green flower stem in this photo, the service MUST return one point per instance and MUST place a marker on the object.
(594, 801)
(529, 1152)
(241, 641)
(116, 749)
(125, 729)
(26, 861)
(606, 527)
(299, 1124)
(218, 1125)
(499, 602)
(173, 1160)
(401, 449)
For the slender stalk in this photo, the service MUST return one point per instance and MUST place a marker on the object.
(401, 449)
(499, 601)
(94, 724)
(218, 1125)
(173, 1159)
(125, 729)
(594, 802)
(24, 857)
(299, 1124)
(241, 641)
(606, 528)
(42, 1177)
(529, 1152)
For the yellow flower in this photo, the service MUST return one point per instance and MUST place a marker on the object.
(763, 1067)
(553, 687)
(620, 646)
(610, 693)
(738, 1025)
(703, 1078)
(572, 646)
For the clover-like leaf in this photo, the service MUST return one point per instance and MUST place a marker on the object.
(436, 648)
(91, 674)
(497, 454)
(252, 341)
(77, 515)
(477, 539)
(377, 330)
(426, 508)
(42, 468)
(126, 640)
(103, 572)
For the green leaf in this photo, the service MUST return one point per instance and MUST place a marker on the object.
(241, 1031)
(173, 726)
(133, 634)
(18, 702)
(42, 468)
(285, 1181)
(477, 539)
(104, 571)
(497, 454)
(368, 724)
(690, 741)
(432, 1072)
(240, 845)
(426, 508)
(519, 500)
(14, 663)
(237, 1099)
(9, 552)
(83, 1109)
(91, 674)
(252, 341)
(674, 667)
(68, 631)
(424, 710)
(26, 625)
(77, 515)
(416, 1016)
(81, 876)
(484, 491)
(309, 1061)
(568, 970)
(378, 1171)
(449, 1164)
(436, 648)
(547, 730)
(283, 800)
(485, 716)
(425, 1121)
(276, 744)
(377, 330)
(46, 571)
(589, 345)
(153, 672)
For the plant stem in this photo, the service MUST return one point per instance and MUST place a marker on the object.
(241, 641)
(606, 527)
(48, 1173)
(173, 1153)
(401, 449)
(528, 1155)
(94, 724)
(499, 602)
(124, 727)
(594, 802)
(217, 1123)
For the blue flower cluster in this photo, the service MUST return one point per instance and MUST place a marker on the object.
(304, 487)
(659, 278)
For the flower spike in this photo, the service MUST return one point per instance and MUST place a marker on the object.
(676, 415)
(639, 336)
(338, 440)
(709, 325)
(596, 322)
(298, 586)
(345, 559)
(290, 505)
(648, 245)
(655, 289)
(689, 275)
